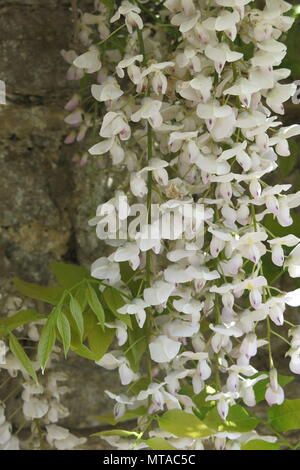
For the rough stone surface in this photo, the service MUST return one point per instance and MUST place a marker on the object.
(45, 198)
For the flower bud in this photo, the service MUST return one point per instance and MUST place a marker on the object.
(255, 189)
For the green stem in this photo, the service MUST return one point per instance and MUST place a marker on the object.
(110, 287)
(275, 288)
(281, 337)
(142, 45)
(148, 253)
(6, 380)
(148, 323)
(20, 428)
(254, 217)
(269, 344)
(140, 288)
(280, 436)
(13, 392)
(111, 34)
(271, 363)
(133, 344)
(268, 425)
(218, 321)
(149, 198)
(163, 25)
(14, 412)
(289, 323)
(275, 278)
(151, 418)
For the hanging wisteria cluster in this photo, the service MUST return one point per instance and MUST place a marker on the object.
(197, 122)
(41, 407)
(189, 102)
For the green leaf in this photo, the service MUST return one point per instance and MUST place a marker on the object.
(80, 295)
(238, 420)
(285, 417)
(116, 432)
(136, 387)
(183, 424)
(295, 10)
(51, 295)
(114, 301)
(136, 345)
(47, 340)
(3, 331)
(260, 387)
(22, 357)
(76, 312)
(271, 223)
(247, 51)
(203, 407)
(83, 351)
(201, 411)
(287, 164)
(291, 60)
(128, 277)
(127, 416)
(258, 444)
(99, 340)
(20, 318)
(68, 275)
(109, 3)
(64, 329)
(95, 304)
(158, 443)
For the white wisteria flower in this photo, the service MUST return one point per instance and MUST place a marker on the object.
(136, 307)
(149, 110)
(191, 122)
(131, 14)
(164, 349)
(89, 61)
(113, 361)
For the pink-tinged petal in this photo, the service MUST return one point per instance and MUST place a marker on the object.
(74, 119)
(102, 147)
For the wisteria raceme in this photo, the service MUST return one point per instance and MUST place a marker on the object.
(191, 115)
(41, 406)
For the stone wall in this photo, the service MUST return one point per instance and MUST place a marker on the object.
(45, 197)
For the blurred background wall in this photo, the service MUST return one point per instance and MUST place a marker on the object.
(46, 198)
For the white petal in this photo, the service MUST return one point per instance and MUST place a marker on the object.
(293, 298)
(163, 349)
(102, 147)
